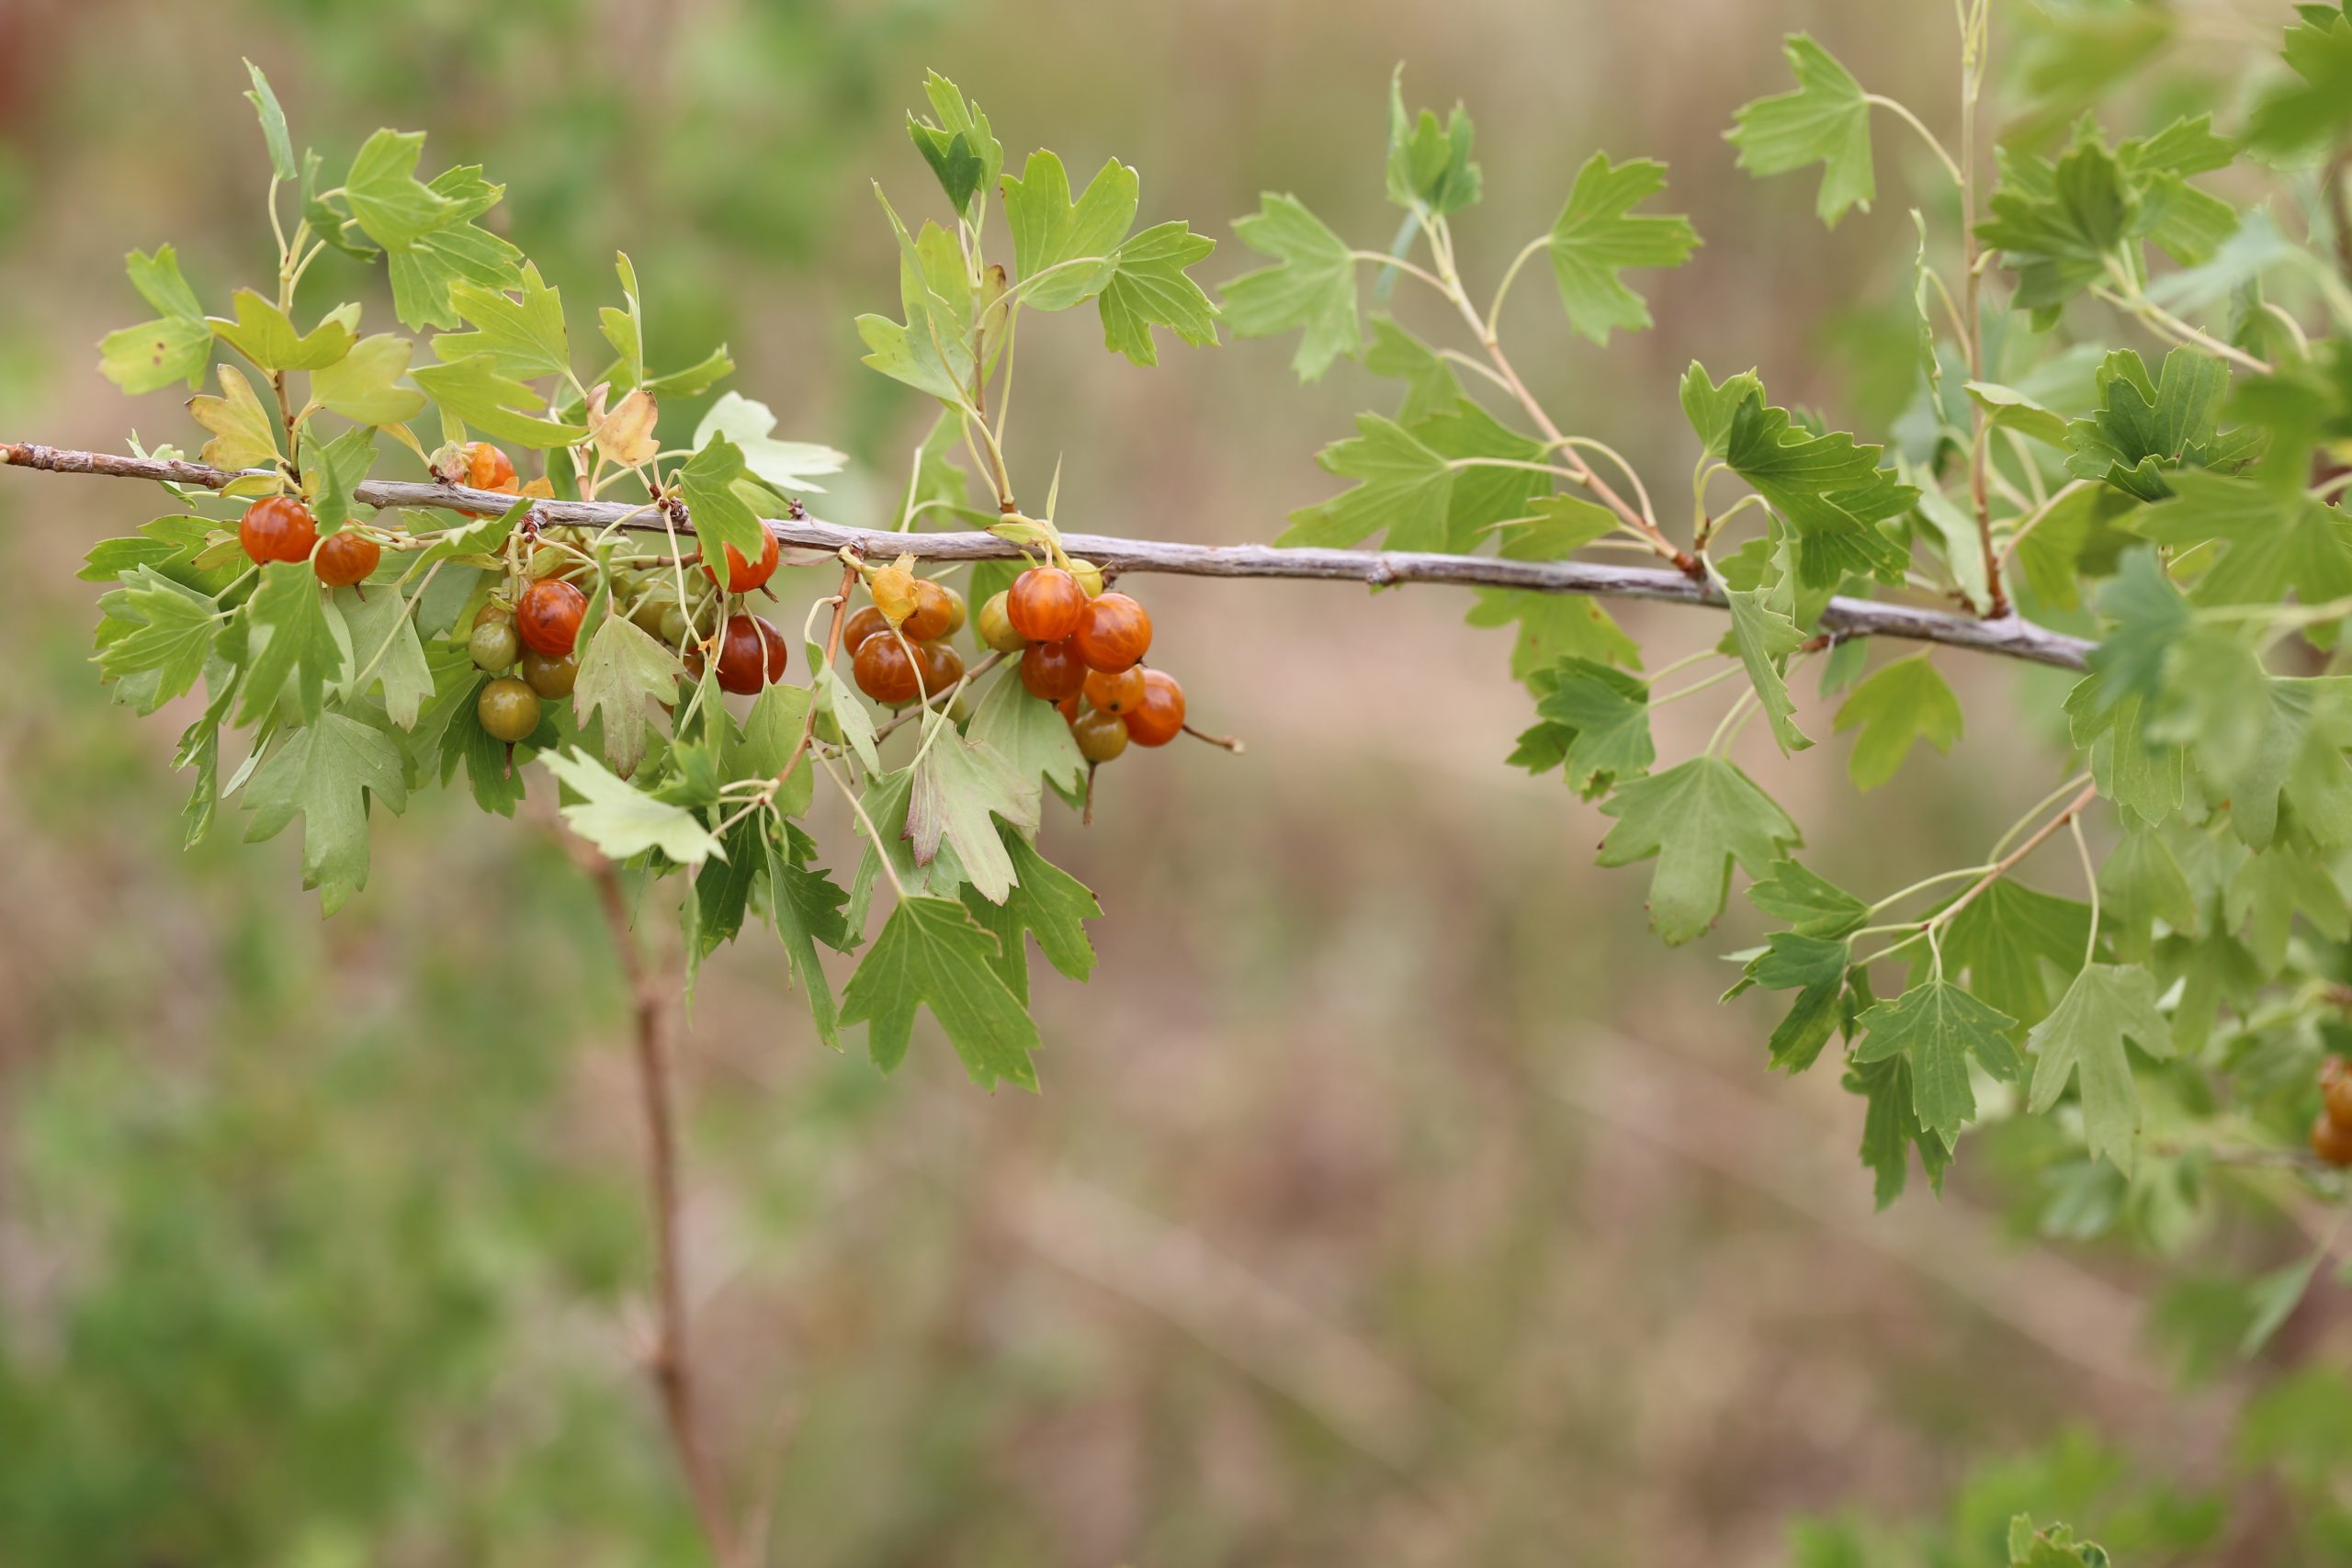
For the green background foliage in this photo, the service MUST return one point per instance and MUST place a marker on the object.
(1394, 1196)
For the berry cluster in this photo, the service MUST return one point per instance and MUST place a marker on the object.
(1078, 640)
(282, 528)
(906, 657)
(2332, 1132)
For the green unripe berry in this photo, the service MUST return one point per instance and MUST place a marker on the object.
(493, 644)
(508, 709)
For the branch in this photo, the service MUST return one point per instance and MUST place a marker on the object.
(2008, 636)
(649, 994)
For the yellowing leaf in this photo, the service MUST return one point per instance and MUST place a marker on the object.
(245, 434)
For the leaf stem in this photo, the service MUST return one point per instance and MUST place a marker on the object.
(1902, 111)
(1510, 276)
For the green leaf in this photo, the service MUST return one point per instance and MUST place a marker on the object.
(174, 631)
(1552, 627)
(1604, 715)
(770, 734)
(623, 821)
(333, 472)
(2150, 616)
(1030, 736)
(288, 640)
(833, 695)
(432, 244)
(930, 954)
(1430, 167)
(623, 673)
(475, 390)
(273, 124)
(525, 337)
(784, 465)
(2141, 884)
(387, 199)
(2009, 409)
(1825, 120)
(1311, 286)
(2143, 428)
(1890, 1127)
(1148, 288)
(1814, 967)
(1072, 241)
(386, 649)
(263, 335)
(245, 434)
(2316, 109)
(1404, 490)
(2058, 224)
(958, 786)
(1711, 408)
(1902, 701)
(176, 347)
(2009, 939)
(363, 386)
(1046, 900)
(805, 907)
(1830, 490)
(1555, 526)
(2277, 543)
(2083, 1038)
(957, 144)
(1765, 636)
(1430, 384)
(932, 349)
(2271, 889)
(721, 517)
(1697, 817)
(1934, 1028)
(1810, 904)
(2146, 777)
(1594, 239)
(328, 770)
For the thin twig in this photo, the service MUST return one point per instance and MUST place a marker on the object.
(2006, 635)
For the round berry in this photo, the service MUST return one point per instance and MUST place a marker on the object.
(1053, 671)
(674, 626)
(2332, 1140)
(884, 672)
(752, 654)
(488, 467)
(957, 611)
(1089, 575)
(1160, 717)
(552, 678)
(345, 558)
(2335, 1090)
(508, 709)
(646, 613)
(742, 576)
(862, 627)
(1043, 603)
(934, 614)
(995, 626)
(548, 616)
(278, 528)
(1117, 692)
(1067, 708)
(1101, 736)
(1113, 634)
(942, 666)
(493, 644)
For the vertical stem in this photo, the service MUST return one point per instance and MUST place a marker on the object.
(1974, 30)
(673, 1369)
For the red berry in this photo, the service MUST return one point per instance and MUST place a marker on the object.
(345, 558)
(1053, 671)
(865, 625)
(942, 666)
(1119, 692)
(280, 528)
(934, 613)
(884, 672)
(546, 616)
(1160, 717)
(752, 654)
(1043, 603)
(487, 468)
(2332, 1140)
(2335, 1090)
(1112, 633)
(743, 576)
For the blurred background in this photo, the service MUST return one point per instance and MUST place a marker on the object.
(1394, 1196)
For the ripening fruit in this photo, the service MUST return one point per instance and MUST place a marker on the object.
(487, 468)
(942, 666)
(345, 558)
(2335, 1090)
(869, 622)
(1089, 575)
(752, 654)
(508, 709)
(743, 576)
(1114, 692)
(552, 678)
(674, 626)
(1043, 603)
(277, 528)
(996, 626)
(957, 611)
(1112, 633)
(1101, 736)
(646, 614)
(2332, 1140)
(934, 615)
(1067, 708)
(884, 672)
(548, 616)
(1160, 717)
(493, 644)
(1053, 671)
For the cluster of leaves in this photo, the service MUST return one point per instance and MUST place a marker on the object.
(349, 699)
